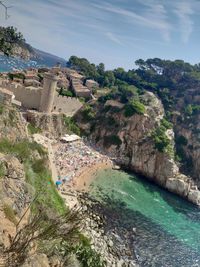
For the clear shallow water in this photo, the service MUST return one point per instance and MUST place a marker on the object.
(168, 228)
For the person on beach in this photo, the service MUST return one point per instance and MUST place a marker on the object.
(58, 184)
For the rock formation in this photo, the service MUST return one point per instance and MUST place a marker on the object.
(130, 141)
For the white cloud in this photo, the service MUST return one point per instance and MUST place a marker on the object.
(153, 17)
(113, 38)
(184, 10)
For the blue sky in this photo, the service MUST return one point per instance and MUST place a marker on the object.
(116, 32)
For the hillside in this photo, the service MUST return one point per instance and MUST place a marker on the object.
(12, 43)
(119, 120)
(36, 228)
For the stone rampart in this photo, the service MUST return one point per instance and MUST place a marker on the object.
(28, 96)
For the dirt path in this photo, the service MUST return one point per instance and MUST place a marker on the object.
(52, 165)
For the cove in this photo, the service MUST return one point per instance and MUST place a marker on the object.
(168, 227)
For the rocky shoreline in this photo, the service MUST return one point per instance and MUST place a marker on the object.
(114, 243)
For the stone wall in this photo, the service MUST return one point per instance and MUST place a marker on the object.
(67, 105)
(28, 96)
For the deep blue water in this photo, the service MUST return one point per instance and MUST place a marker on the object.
(44, 60)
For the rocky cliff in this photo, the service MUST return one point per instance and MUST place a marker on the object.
(12, 125)
(134, 142)
(12, 43)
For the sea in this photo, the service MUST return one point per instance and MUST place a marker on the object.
(167, 226)
(43, 60)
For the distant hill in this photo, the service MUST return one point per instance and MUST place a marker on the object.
(12, 43)
(47, 58)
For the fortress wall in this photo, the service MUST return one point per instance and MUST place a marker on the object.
(67, 105)
(29, 97)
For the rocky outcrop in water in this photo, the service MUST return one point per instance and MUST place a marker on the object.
(131, 141)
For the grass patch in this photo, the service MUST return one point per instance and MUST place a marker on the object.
(134, 107)
(1, 109)
(9, 213)
(22, 150)
(2, 170)
(71, 125)
(37, 173)
(32, 129)
(39, 177)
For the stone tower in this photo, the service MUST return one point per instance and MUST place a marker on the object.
(48, 93)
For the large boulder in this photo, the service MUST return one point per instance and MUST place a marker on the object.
(177, 186)
(194, 196)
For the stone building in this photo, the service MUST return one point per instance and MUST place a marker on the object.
(48, 93)
(44, 99)
(91, 84)
(6, 96)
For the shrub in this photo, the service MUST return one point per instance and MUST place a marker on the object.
(64, 92)
(39, 176)
(16, 75)
(192, 110)
(166, 123)
(134, 106)
(88, 113)
(162, 142)
(71, 125)
(22, 150)
(32, 129)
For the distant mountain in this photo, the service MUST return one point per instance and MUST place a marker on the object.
(48, 59)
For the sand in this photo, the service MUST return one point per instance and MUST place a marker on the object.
(88, 174)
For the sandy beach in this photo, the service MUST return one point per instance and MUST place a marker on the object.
(83, 181)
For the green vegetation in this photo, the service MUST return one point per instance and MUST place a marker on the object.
(191, 110)
(134, 106)
(165, 123)
(88, 113)
(71, 125)
(39, 177)
(9, 36)
(1, 109)
(161, 140)
(9, 213)
(32, 129)
(86, 255)
(22, 150)
(112, 140)
(2, 169)
(64, 92)
(37, 173)
(16, 75)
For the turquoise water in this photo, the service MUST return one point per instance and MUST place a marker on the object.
(168, 228)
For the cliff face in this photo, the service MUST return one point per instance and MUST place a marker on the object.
(12, 43)
(23, 52)
(130, 140)
(50, 124)
(12, 126)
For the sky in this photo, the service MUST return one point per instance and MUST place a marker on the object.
(115, 32)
